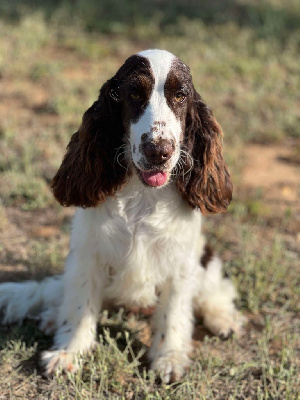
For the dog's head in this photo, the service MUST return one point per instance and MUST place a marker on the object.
(148, 119)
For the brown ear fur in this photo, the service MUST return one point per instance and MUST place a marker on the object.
(89, 172)
(209, 187)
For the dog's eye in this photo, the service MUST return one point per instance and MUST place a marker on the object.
(179, 97)
(135, 96)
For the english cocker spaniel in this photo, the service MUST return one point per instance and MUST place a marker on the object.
(144, 166)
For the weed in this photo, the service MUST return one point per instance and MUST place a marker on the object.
(25, 191)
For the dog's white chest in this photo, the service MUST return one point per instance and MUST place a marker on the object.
(139, 243)
(137, 268)
(138, 237)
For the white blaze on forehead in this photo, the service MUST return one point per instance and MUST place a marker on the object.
(157, 110)
(160, 62)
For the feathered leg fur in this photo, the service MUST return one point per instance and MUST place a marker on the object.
(69, 306)
(214, 301)
(173, 326)
(71, 312)
(78, 314)
(32, 299)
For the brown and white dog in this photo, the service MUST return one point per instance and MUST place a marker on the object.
(143, 167)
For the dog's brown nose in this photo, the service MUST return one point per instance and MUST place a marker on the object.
(158, 152)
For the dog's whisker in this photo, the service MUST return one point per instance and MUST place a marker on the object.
(176, 171)
(123, 150)
(184, 158)
(116, 155)
(120, 147)
(119, 162)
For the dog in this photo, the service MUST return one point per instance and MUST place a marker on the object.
(144, 166)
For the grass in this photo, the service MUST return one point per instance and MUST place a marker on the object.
(244, 57)
(220, 370)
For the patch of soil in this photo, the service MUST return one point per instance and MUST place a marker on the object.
(271, 175)
(270, 167)
(21, 228)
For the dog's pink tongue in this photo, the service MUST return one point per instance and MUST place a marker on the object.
(155, 178)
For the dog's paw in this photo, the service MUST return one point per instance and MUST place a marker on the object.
(225, 324)
(171, 366)
(48, 321)
(58, 361)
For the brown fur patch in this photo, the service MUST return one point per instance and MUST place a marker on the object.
(89, 173)
(145, 136)
(206, 256)
(161, 341)
(208, 186)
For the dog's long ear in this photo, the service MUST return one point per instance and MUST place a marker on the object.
(209, 186)
(89, 171)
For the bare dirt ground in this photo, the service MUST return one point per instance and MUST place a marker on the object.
(275, 171)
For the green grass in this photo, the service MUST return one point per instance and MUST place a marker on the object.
(244, 58)
(25, 191)
(220, 370)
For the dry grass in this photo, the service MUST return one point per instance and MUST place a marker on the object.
(244, 57)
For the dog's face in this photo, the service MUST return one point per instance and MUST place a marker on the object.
(150, 119)
(154, 96)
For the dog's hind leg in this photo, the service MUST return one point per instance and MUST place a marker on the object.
(33, 300)
(214, 299)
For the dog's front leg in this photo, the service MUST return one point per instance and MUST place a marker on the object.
(173, 324)
(78, 313)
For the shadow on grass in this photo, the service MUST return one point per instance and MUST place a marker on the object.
(118, 332)
(113, 16)
(15, 276)
(29, 334)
